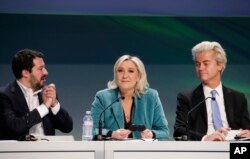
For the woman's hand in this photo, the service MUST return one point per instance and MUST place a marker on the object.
(147, 134)
(120, 134)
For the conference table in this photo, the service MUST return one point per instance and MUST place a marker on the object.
(131, 149)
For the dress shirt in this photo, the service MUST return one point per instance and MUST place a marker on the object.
(220, 101)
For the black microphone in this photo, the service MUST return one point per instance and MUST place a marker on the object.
(99, 136)
(187, 137)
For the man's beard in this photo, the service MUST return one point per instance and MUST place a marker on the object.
(35, 84)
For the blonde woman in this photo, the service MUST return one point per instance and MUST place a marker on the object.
(137, 104)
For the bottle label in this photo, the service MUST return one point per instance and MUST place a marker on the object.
(88, 123)
(87, 130)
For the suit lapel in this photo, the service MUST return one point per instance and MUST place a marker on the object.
(198, 97)
(19, 98)
(117, 112)
(138, 112)
(228, 106)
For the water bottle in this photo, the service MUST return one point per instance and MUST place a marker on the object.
(87, 127)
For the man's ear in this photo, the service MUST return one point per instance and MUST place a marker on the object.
(25, 73)
(220, 66)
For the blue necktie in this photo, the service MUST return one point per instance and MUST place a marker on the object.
(216, 112)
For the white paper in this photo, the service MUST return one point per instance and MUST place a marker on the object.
(231, 134)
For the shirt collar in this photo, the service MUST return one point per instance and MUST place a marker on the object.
(27, 90)
(207, 90)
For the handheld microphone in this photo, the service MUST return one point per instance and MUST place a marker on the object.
(99, 136)
(187, 137)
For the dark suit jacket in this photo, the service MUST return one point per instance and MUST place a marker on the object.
(16, 119)
(235, 106)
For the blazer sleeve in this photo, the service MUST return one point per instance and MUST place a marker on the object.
(62, 121)
(160, 124)
(245, 121)
(96, 109)
(16, 121)
(237, 110)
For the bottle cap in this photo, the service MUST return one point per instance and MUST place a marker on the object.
(88, 112)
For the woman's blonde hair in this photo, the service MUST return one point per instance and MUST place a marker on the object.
(142, 84)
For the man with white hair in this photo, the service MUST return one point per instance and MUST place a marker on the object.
(221, 109)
